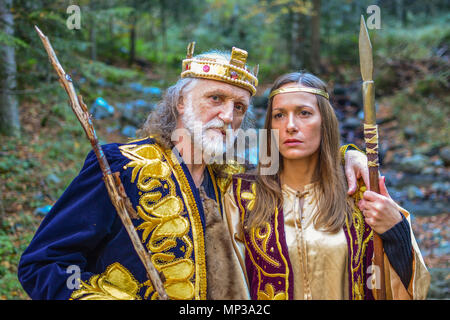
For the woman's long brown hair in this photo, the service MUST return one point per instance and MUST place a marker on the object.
(333, 202)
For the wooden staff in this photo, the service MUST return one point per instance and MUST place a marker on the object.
(371, 139)
(116, 191)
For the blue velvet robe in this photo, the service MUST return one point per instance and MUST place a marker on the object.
(83, 232)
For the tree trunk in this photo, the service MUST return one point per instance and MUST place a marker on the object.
(93, 40)
(2, 210)
(9, 107)
(315, 37)
(92, 30)
(400, 12)
(132, 56)
(297, 47)
(164, 35)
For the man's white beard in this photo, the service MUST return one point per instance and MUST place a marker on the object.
(204, 137)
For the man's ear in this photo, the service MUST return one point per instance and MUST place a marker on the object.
(180, 106)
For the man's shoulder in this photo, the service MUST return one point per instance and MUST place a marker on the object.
(117, 154)
(112, 150)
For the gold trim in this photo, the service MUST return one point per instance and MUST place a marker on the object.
(233, 72)
(300, 89)
(260, 270)
(115, 283)
(164, 218)
(197, 228)
(281, 253)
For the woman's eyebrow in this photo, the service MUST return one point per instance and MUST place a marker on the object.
(296, 107)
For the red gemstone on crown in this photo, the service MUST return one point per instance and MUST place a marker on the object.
(206, 68)
(233, 75)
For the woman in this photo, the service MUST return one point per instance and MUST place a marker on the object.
(297, 232)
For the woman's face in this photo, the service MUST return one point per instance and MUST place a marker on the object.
(296, 115)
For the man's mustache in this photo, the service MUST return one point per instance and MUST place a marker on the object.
(215, 124)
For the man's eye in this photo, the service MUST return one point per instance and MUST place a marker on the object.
(215, 98)
(239, 107)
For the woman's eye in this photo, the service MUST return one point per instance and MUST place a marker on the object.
(305, 113)
(277, 115)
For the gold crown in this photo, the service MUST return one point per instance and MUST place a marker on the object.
(234, 72)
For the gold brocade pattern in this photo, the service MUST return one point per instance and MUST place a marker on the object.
(269, 294)
(250, 197)
(360, 243)
(228, 170)
(116, 283)
(200, 285)
(166, 223)
(259, 238)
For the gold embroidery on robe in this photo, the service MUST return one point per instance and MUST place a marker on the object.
(360, 242)
(269, 294)
(250, 197)
(116, 283)
(166, 223)
(256, 233)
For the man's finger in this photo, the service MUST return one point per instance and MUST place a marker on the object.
(351, 180)
(365, 175)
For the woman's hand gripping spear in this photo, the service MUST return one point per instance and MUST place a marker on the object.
(371, 139)
(113, 183)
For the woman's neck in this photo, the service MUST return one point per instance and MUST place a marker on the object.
(298, 173)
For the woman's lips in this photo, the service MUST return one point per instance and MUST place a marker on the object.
(292, 142)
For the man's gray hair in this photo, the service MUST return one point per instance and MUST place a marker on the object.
(162, 121)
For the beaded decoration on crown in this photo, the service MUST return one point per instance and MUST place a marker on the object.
(233, 72)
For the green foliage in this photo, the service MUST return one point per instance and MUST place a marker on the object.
(427, 115)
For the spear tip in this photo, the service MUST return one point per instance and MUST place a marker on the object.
(365, 52)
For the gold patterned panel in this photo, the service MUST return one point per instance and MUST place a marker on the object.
(258, 235)
(360, 243)
(145, 160)
(116, 283)
(250, 197)
(227, 171)
(259, 241)
(269, 294)
(166, 223)
(198, 245)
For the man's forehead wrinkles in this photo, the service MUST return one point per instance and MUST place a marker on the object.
(228, 93)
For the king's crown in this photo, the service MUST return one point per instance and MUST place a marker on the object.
(234, 71)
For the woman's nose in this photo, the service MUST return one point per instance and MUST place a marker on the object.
(291, 125)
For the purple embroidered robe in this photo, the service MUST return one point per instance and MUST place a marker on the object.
(269, 269)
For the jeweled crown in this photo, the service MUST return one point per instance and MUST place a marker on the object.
(234, 72)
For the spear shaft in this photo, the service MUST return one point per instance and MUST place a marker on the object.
(114, 186)
(371, 139)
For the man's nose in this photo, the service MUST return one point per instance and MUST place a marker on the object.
(226, 115)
